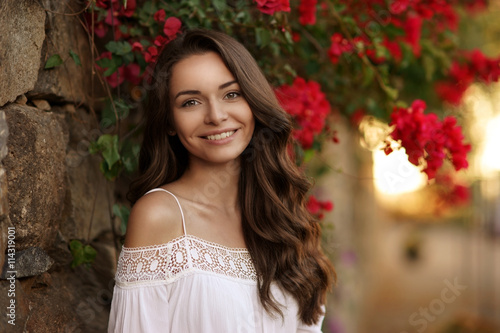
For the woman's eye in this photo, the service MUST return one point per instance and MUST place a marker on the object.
(233, 95)
(190, 102)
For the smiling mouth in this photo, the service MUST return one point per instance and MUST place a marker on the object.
(220, 136)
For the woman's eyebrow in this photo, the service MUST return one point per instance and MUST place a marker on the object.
(187, 92)
(197, 92)
(227, 84)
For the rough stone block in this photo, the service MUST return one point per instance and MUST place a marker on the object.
(29, 262)
(22, 31)
(36, 174)
(64, 33)
(91, 194)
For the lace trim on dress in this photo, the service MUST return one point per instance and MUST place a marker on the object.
(167, 262)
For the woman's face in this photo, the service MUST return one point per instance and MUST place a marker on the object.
(211, 117)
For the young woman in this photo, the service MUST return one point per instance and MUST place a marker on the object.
(219, 238)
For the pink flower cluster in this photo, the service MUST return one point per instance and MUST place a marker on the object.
(317, 207)
(475, 67)
(271, 6)
(308, 106)
(428, 141)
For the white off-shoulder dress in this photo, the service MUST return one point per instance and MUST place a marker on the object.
(190, 285)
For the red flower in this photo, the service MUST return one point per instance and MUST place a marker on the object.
(318, 208)
(307, 12)
(136, 46)
(476, 66)
(102, 4)
(339, 46)
(357, 116)
(399, 6)
(100, 28)
(308, 106)
(413, 29)
(151, 54)
(271, 6)
(160, 41)
(394, 49)
(427, 141)
(132, 73)
(172, 27)
(451, 193)
(160, 15)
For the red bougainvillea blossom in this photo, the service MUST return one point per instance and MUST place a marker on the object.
(271, 6)
(309, 107)
(450, 192)
(413, 29)
(361, 45)
(307, 12)
(339, 46)
(317, 207)
(130, 72)
(172, 27)
(410, 17)
(160, 15)
(428, 141)
(476, 66)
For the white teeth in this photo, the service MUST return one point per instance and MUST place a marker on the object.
(220, 136)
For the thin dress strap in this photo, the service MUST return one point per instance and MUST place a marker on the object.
(178, 204)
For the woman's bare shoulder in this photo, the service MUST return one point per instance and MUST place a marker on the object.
(154, 219)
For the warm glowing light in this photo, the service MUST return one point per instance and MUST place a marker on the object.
(490, 159)
(394, 174)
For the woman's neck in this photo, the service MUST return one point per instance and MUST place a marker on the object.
(213, 184)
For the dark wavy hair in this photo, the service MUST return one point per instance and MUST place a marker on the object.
(282, 237)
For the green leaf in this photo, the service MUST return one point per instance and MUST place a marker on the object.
(309, 154)
(110, 71)
(220, 5)
(94, 148)
(339, 7)
(105, 63)
(368, 77)
(128, 58)
(263, 37)
(108, 117)
(54, 61)
(123, 213)
(287, 68)
(130, 156)
(109, 147)
(391, 92)
(75, 57)
(118, 48)
(429, 65)
(82, 254)
(110, 172)
(125, 4)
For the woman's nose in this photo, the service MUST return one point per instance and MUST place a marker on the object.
(216, 113)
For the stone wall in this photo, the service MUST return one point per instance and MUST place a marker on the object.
(51, 189)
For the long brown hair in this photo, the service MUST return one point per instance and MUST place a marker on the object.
(283, 238)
